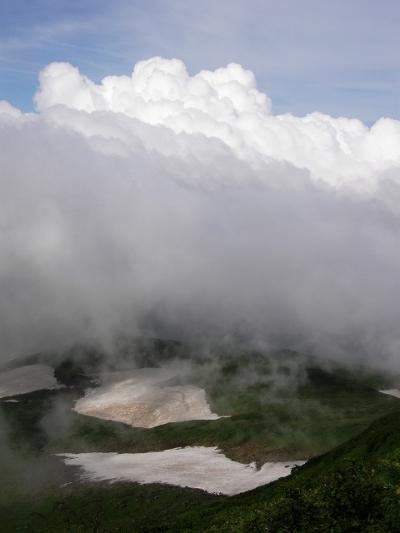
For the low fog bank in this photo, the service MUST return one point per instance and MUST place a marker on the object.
(23, 472)
(159, 206)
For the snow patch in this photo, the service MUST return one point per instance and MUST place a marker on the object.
(145, 399)
(204, 468)
(391, 392)
(28, 378)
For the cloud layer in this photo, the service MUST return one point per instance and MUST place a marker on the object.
(181, 205)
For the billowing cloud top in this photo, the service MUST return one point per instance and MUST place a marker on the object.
(180, 205)
(225, 104)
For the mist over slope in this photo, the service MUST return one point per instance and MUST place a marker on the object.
(169, 204)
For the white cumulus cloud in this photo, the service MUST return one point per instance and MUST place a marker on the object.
(226, 104)
(179, 205)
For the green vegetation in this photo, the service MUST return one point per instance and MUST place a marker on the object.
(355, 487)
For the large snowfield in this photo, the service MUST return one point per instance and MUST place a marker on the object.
(204, 468)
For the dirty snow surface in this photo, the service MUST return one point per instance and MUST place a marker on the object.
(145, 398)
(27, 378)
(196, 467)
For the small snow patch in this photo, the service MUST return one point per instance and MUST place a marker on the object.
(28, 378)
(196, 467)
(391, 392)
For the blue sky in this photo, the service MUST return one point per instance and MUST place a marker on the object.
(340, 57)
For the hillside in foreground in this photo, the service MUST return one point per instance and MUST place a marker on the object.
(355, 487)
